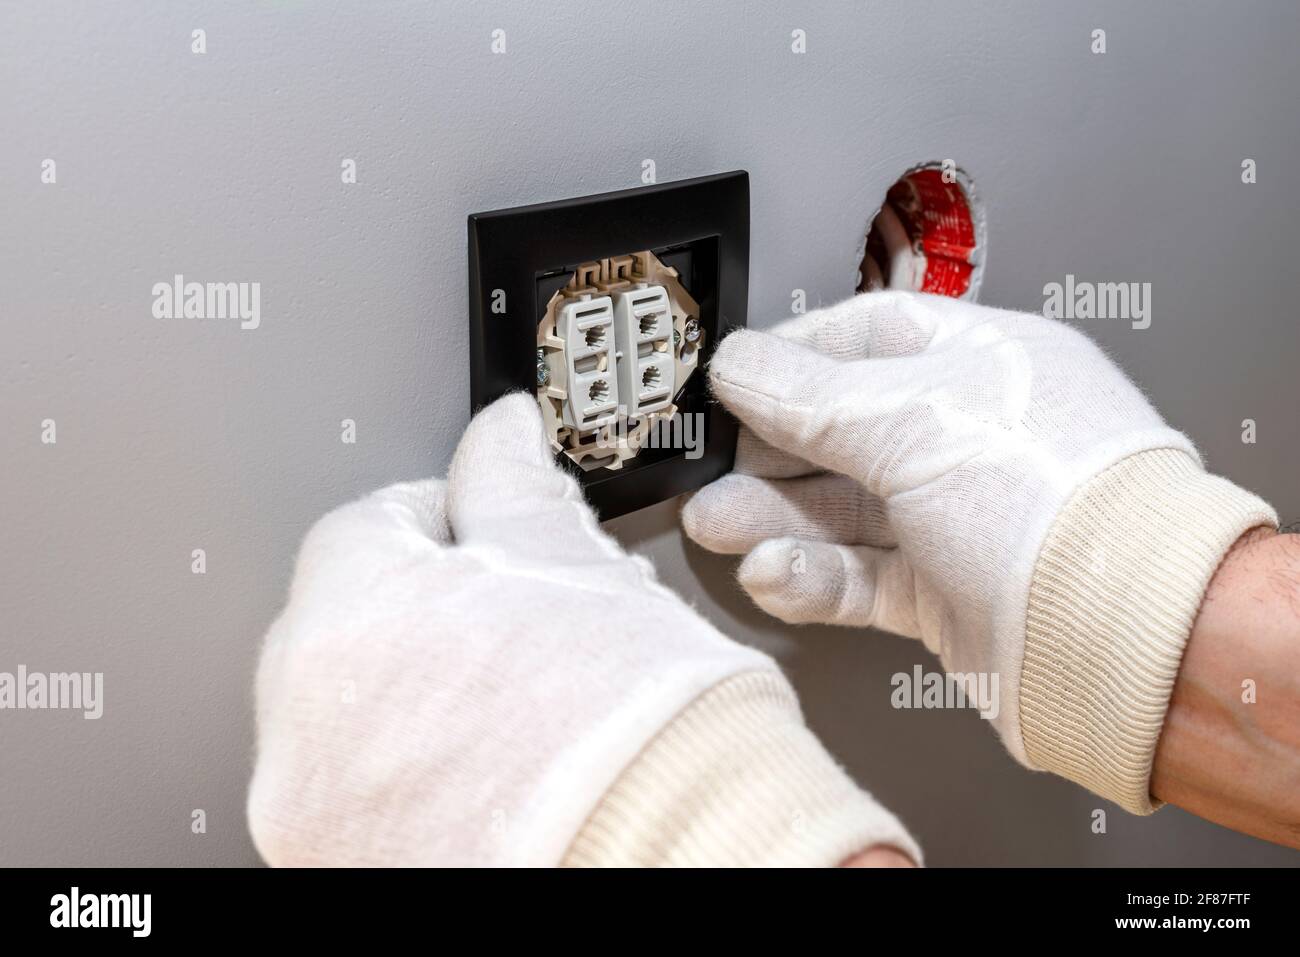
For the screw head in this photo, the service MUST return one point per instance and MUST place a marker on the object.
(543, 373)
(692, 330)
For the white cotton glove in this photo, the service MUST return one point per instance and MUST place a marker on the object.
(988, 482)
(471, 673)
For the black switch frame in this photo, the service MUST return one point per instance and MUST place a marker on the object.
(700, 226)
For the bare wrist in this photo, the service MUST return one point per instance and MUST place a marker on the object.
(1230, 747)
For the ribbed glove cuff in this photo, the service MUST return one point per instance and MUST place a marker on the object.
(735, 780)
(1113, 598)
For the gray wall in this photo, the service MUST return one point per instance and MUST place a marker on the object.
(176, 435)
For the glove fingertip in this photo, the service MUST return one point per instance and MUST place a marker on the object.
(766, 576)
(703, 518)
(769, 566)
(740, 360)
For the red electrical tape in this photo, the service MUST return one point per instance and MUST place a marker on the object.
(939, 215)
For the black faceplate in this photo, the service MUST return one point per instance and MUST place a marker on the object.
(700, 226)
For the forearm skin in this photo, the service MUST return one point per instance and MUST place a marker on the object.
(1230, 747)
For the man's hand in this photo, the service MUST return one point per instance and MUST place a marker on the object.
(470, 672)
(989, 482)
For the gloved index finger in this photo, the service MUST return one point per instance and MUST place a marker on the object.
(756, 457)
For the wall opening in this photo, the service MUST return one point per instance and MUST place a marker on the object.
(928, 235)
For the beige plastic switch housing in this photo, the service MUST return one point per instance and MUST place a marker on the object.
(614, 348)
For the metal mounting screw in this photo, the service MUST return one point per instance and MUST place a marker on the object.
(543, 373)
(692, 330)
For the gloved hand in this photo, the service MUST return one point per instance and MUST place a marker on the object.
(471, 673)
(986, 481)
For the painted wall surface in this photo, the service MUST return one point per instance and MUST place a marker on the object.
(176, 435)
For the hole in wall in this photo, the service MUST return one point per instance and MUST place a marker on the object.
(929, 235)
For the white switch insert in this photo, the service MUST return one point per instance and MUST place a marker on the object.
(643, 331)
(587, 327)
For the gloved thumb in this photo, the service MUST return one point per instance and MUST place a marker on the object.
(770, 383)
(891, 423)
(507, 490)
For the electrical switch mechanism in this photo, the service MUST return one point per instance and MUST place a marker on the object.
(616, 345)
(607, 309)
